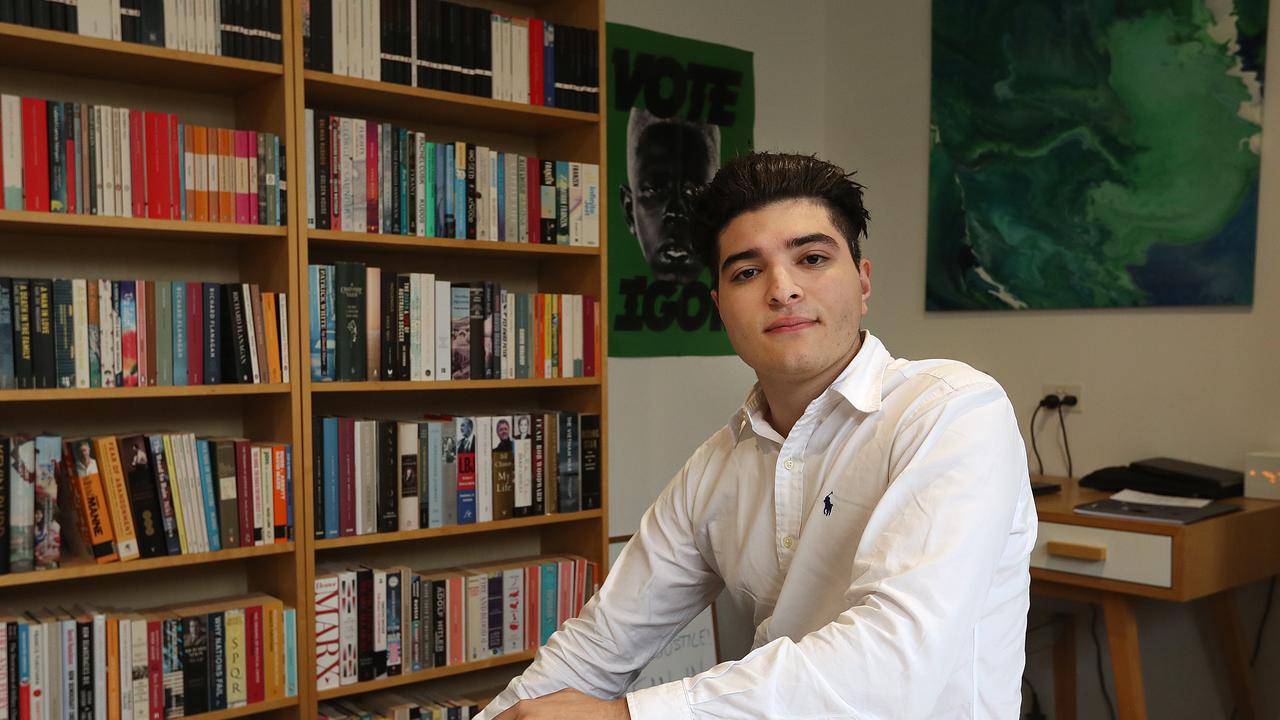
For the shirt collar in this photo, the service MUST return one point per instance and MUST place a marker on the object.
(861, 383)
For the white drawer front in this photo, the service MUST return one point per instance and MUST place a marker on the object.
(1131, 557)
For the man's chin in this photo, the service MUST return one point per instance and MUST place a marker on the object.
(681, 276)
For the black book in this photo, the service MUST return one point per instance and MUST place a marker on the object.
(228, 44)
(388, 327)
(57, 15)
(322, 168)
(147, 520)
(277, 31)
(23, 325)
(350, 311)
(466, 48)
(282, 182)
(496, 597)
(217, 661)
(589, 437)
(318, 47)
(7, 378)
(22, 12)
(11, 632)
(451, 46)
(57, 153)
(151, 23)
(40, 15)
(195, 665)
(439, 606)
(549, 223)
(162, 472)
(430, 37)
(593, 70)
(84, 669)
(561, 53)
(477, 330)
(404, 42)
(317, 471)
(471, 191)
(364, 625)
(388, 479)
(42, 343)
(568, 480)
(4, 510)
(6, 16)
(73, 17)
(236, 364)
(411, 198)
(64, 334)
(538, 464)
(483, 53)
(386, 65)
(261, 25)
(223, 455)
(402, 324)
(213, 334)
(130, 20)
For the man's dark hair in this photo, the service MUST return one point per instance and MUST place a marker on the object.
(749, 182)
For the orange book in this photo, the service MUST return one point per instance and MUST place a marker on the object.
(272, 648)
(269, 318)
(226, 176)
(279, 483)
(92, 513)
(113, 668)
(200, 147)
(111, 470)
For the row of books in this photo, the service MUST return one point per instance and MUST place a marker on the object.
(78, 333)
(372, 324)
(82, 159)
(140, 496)
(378, 622)
(411, 703)
(374, 476)
(456, 48)
(167, 662)
(247, 29)
(366, 176)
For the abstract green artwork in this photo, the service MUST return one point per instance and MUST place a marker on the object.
(1091, 154)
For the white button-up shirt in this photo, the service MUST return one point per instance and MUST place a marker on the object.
(881, 548)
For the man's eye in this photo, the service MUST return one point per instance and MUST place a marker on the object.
(814, 259)
(745, 274)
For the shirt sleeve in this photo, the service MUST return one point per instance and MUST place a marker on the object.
(659, 583)
(921, 575)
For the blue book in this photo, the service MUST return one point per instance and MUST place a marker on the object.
(435, 471)
(288, 488)
(404, 179)
(429, 189)
(549, 64)
(212, 334)
(323, 344)
(290, 652)
(330, 476)
(502, 197)
(208, 492)
(7, 377)
(24, 655)
(547, 603)
(438, 180)
(179, 333)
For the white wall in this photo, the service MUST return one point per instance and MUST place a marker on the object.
(850, 80)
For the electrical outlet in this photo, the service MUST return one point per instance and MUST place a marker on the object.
(1064, 389)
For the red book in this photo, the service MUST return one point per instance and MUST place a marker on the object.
(157, 182)
(255, 687)
(373, 179)
(335, 173)
(35, 155)
(195, 333)
(533, 190)
(588, 336)
(535, 62)
(137, 163)
(346, 477)
(175, 169)
(244, 492)
(242, 177)
(155, 669)
(252, 144)
(279, 484)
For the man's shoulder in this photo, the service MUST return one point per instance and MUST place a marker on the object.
(937, 380)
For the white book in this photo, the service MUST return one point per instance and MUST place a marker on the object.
(362, 498)
(328, 632)
(511, 197)
(475, 610)
(126, 162)
(575, 203)
(360, 176)
(373, 41)
(119, 151)
(513, 610)
(255, 488)
(67, 668)
(413, 44)
(379, 610)
(579, 332)
(369, 463)
(189, 171)
(357, 29)
(482, 189)
(189, 25)
(522, 448)
(420, 207)
(216, 28)
(11, 142)
(508, 42)
(282, 309)
(106, 366)
(116, 33)
(426, 302)
(268, 496)
(94, 18)
(311, 167)
(407, 462)
(250, 331)
(80, 323)
(522, 61)
(491, 198)
(495, 54)
(140, 681)
(441, 329)
(484, 468)
(117, 345)
(99, 665)
(348, 174)
(508, 335)
(590, 205)
(171, 24)
(124, 651)
(416, 336)
(107, 149)
(340, 21)
(348, 626)
(192, 465)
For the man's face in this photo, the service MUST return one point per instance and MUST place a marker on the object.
(466, 428)
(790, 294)
(504, 431)
(668, 162)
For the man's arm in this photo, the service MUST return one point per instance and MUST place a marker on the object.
(921, 575)
(659, 583)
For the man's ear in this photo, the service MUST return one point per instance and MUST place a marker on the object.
(628, 206)
(715, 298)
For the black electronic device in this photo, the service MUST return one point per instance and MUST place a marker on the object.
(1166, 476)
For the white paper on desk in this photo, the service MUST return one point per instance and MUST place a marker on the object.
(1134, 496)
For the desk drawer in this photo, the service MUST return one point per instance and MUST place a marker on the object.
(1111, 554)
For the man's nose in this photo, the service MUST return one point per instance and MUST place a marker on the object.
(783, 288)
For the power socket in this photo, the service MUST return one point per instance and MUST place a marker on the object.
(1062, 390)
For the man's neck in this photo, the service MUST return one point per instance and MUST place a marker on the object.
(787, 397)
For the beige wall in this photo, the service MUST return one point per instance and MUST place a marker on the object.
(850, 80)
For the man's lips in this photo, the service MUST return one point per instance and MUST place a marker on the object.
(791, 324)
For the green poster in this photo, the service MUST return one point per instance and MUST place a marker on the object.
(677, 109)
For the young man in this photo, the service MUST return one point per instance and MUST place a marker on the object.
(873, 515)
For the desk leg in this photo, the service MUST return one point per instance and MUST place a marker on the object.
(1064, 668)
(1126, 660)
(1226, 623)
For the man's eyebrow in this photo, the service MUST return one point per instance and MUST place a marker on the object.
(792, 244)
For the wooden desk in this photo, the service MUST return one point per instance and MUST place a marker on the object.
(1111, 562)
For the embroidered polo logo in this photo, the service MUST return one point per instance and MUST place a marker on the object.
(826, 504)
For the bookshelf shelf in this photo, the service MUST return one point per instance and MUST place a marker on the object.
(401, 102)
(45, 223)
(85, 569)
(335, 238)
(246, 710)
(422, 675)
(452, 530)
(443, 385)
(167, 391)
(81, 56)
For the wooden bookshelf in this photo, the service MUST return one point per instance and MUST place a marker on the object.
(272, 97)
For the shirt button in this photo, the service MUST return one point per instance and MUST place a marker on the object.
(789, 464)
(788, 541)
